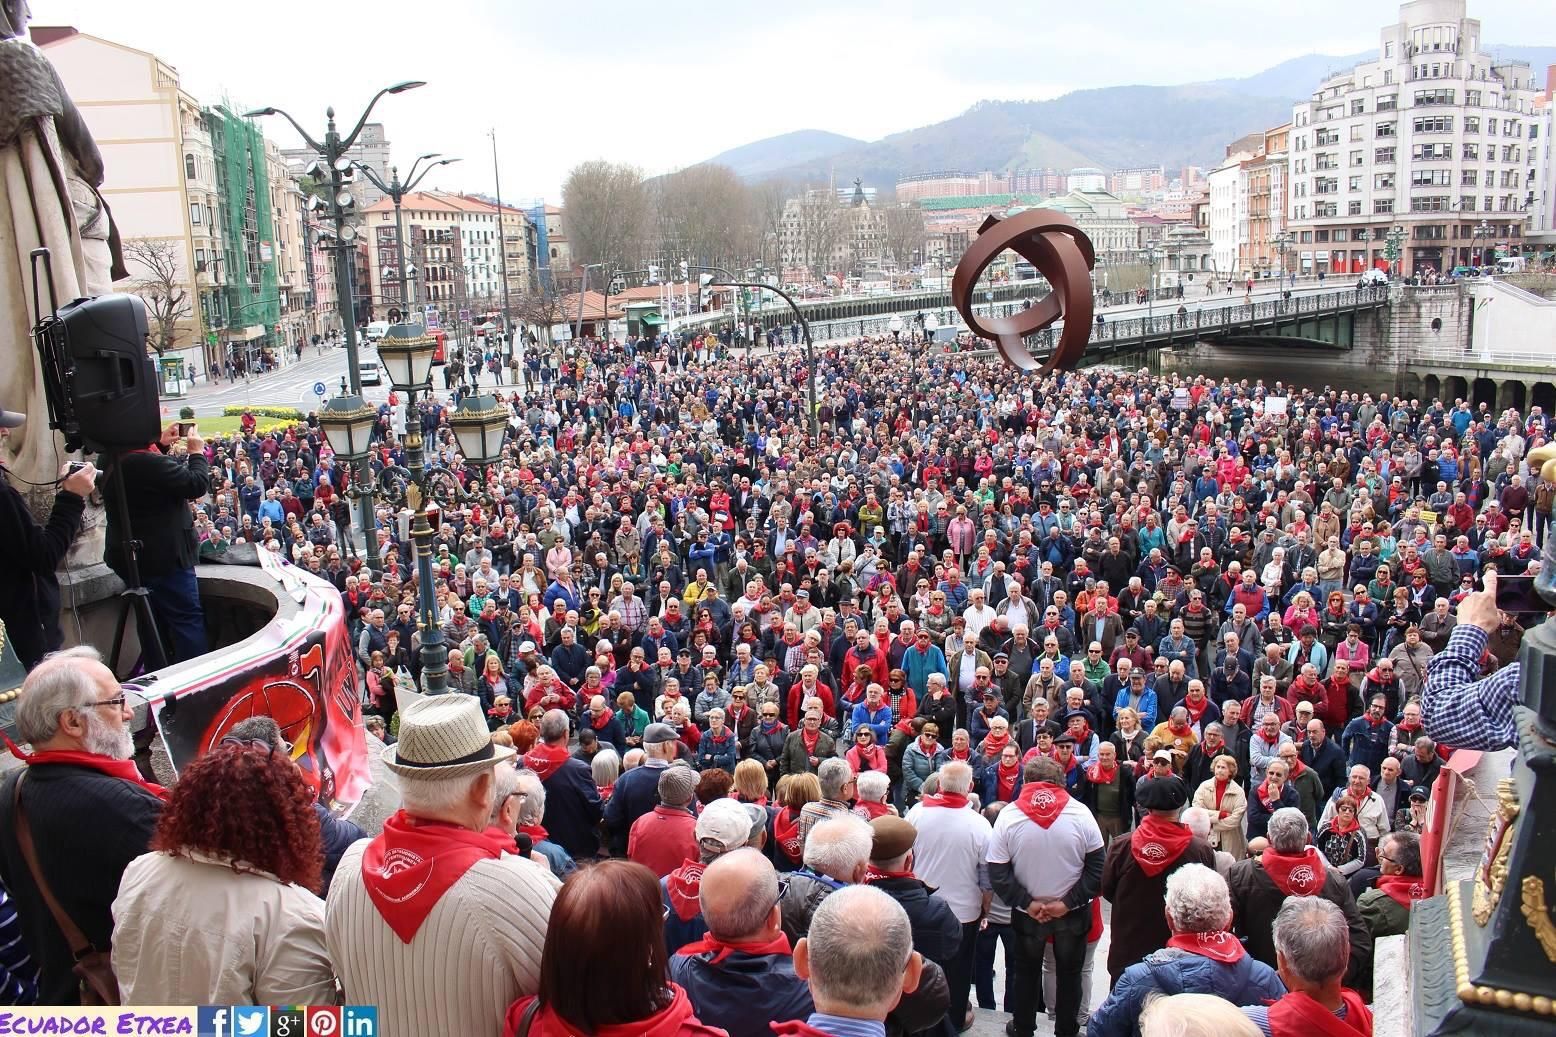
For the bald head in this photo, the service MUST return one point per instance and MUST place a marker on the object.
(739, 896)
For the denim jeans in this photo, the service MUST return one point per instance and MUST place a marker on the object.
(983, 964)
(175, 601)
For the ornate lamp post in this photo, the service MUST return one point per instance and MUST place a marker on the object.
(479, 425)
(1391, 250)
(1282, 243)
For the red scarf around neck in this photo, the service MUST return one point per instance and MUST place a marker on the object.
(1195, 712)
(722, 949)
(545, 760)
(1263, 792)
(1042, 802)
(994, 744)
(1402, 889)
(1297, 875)
(410, 865)
(786, 833)
(122, 769)
(1217, 946)
(945, 799)
(1340, 827)
(810, 739)
(874, 874)
(1220, 791)
(1097, 775)
(1157, 843)
(536, 833)
(1298, 1015)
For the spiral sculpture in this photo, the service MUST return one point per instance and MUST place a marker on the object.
(1063, 254)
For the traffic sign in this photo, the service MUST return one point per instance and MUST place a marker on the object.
(318, 389)
(432, 317)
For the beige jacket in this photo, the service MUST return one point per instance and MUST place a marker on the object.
(192, 931)
(1226, 833)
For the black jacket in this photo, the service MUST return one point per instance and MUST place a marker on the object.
(573, 809)
(936, 931)
(87, 827)
(1256, 900)
(158, 491)
(29, 591)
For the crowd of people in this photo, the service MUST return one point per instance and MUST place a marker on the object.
(752, 734)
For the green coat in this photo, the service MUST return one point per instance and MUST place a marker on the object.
(1383, 914)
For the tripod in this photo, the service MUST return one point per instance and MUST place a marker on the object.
(134, 598)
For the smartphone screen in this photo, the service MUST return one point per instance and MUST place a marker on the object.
(1516, 596)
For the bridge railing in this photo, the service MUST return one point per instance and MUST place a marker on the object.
(1475, 355)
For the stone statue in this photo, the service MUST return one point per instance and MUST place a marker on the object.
(50, 170)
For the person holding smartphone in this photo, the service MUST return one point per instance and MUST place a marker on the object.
(1463, 709)
(158, 486)
(29, 590)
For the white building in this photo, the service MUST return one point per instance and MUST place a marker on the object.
(1086, 178)
(1228, 189)
(1432, 137)
(1540, 231)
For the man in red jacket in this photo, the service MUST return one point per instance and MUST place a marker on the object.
(858, 959)
(665, 837)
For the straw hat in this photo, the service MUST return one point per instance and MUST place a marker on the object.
(443, 736)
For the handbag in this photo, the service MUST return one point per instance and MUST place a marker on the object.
(528, 1018)
(93, 968)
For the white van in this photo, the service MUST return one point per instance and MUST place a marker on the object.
(377, 330)
(1512, 265)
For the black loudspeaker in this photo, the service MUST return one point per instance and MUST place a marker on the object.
(109, 378)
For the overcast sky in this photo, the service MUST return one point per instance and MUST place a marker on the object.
(672, 82)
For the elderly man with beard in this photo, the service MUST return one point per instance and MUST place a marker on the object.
(87, 810)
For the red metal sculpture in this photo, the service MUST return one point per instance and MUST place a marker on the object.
(1063, 254)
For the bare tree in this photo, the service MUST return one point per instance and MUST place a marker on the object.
(161, 287)
(904, 233)
(605, 212)
(821, 225)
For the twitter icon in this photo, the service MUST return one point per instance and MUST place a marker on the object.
(251, 1021)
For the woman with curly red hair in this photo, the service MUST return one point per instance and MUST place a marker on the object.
(222, 910)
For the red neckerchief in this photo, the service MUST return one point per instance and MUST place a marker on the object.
(1006, 776)
(1097, 776)
(1042, 802)
(1219, 945)
(1402, 889)
(927, 750)
(1340, 828)
(994, 744)
(408, 867)
(1298, 1015)
(1085, 735)
(122, 769)
(599, 723)
(545, 760)
(1195, 713)
(1157, 842)
(684, 888)
(874, 874)
(1220, 791)
(722, 949)
(1297, 767)
(811, 740)
(874, 809)
(954, 800)
(1296, 875)
(1263, 793)
(960, 754)
(536, 833)
(786, 833)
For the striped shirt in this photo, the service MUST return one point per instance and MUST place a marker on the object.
(18, 972)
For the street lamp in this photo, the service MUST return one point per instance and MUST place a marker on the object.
(397, 191)
(334, 164)
(1391, 251)
(1151, 259)
(810, 349)
(1482, 232)
(1282, 243)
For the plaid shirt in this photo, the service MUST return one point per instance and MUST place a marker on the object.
(1461, 709)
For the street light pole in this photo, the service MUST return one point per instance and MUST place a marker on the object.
(502, 251)
(333, 152)
(397, 192)
(583, 286)
(1150, 292)
(810, 349)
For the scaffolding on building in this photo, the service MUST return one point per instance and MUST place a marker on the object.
(253, 286)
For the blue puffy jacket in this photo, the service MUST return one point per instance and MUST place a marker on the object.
(1171, 971)
(744, 992)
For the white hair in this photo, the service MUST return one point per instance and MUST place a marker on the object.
(873, 786)
(1313, 938)
(1198, 820)
(1197, 900)
(1287, 830)
(956, 777)
(838, 846)
(1194, 1015)
(54, 687)
(860, 941)
(437, 797)
(532, 797)
(506, 783)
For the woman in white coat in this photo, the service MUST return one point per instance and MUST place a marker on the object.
(1225, 801)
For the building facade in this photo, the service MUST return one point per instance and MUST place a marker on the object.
(371, 149)
(1433, 137)
(434, 253)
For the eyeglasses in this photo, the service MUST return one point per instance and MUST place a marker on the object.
(127, 699)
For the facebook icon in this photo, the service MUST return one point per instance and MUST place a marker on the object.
(211, 1021)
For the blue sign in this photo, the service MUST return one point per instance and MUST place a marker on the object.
(318, 388)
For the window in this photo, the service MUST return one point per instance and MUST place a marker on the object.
(1472, 124)
(1355, 184)
(1434, 124)
(1491, 127)
(1326, 137)
(1325, 209)
(1469, 178)
(1383, 182)
(1326, 185)
(1341, 234)
(1431, 232)
(1358, 158)
(1358, 107)
(1430, 203)
(1388, 76)
(1323, 162)
(1385, 129)
(1383, 156)
(1321, 236)
(1425, 97)
(1389, 103)
(1430, 177)
(189, 167)
(1382, 206)
(1432, 152)
(1356, 132)
(1353, 208)
(1471, 153)
(194, 213)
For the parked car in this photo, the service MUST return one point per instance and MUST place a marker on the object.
(372, 373)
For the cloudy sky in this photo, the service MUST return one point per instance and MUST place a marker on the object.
(670, 83)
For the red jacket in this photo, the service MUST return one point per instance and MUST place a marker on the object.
(663, 839)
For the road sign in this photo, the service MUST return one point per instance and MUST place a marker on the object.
(464, 316)
(318, 389)
(432, 317)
